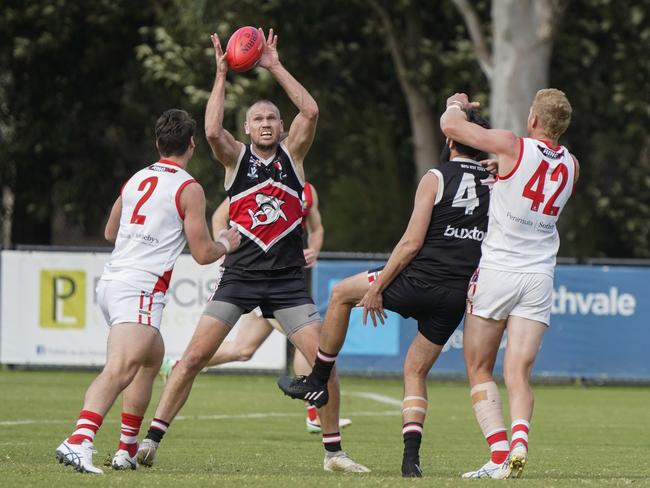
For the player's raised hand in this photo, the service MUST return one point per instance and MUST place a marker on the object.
(373, 305)
(491, 165)
(219, 54)
(270, 55)
(230, 239)
(462, 101)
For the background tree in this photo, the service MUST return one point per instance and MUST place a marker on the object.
(517, 65)
(82, 84)
(75, 112)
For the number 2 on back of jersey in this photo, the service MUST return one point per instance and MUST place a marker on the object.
(150, 183)
(466, 194)
(534, 189)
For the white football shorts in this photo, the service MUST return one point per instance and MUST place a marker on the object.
(495, 294)
(120, 302)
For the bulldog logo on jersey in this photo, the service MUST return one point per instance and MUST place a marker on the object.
(269, 210)
(266, 212)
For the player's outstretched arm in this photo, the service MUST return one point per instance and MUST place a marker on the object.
(315, 231)
(224, 146)
(113, 223)
(407, 248)
(220, 218)
(204, 250)
(454, 124)
(303, 127)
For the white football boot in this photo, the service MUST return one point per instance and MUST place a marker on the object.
(79, 456)
(490, 470)
(122, 460)
(146, 452)
(340, 461)
(517, 460)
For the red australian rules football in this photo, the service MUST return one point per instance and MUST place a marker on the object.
(244, 49)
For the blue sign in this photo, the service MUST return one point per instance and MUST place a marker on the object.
(600, 326)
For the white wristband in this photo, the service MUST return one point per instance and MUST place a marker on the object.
(455, 104)
(224, 242)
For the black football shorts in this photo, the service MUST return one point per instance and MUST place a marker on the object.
(437, 309)
(279, 293)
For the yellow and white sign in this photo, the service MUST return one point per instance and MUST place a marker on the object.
(49, 313)
(63, 299)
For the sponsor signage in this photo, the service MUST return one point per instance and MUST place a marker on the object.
(599, 326)
(62, 303)
(49, 313)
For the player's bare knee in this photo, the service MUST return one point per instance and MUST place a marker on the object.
(341, 294)
(415, 370)
(119, 375)
(515, 378)
(193, 363)
(478, 373)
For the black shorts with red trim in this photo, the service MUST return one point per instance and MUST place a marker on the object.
(437, 309)
(270, 290)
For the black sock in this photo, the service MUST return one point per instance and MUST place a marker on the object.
(323, 367)
(157, 430)
(412, 434)
(332, 442)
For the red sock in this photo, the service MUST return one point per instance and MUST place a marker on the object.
(87, 426)
(499, 448)
(129, 433)
(312, 413)
(520, 429)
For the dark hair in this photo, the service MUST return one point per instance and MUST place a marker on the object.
(474, 117)
(174, 129)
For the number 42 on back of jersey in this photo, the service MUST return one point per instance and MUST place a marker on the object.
(534, 189)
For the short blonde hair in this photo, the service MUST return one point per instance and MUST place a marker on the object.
(553, 110)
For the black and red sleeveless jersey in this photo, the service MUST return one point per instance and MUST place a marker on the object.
(452, 245)
(266, 207)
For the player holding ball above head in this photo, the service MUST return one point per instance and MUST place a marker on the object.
(264, 181)
(160, 208)
(512, 287)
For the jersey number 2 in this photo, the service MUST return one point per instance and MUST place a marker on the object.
(534, 189)
(151, 183)
(466, 194)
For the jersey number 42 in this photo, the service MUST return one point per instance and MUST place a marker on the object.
(534, 189)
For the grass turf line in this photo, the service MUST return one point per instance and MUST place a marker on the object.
(579, 436)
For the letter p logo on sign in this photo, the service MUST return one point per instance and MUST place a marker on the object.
(63, 299)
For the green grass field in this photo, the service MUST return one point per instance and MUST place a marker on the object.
(241, 431)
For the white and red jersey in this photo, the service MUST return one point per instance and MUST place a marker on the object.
(524, 209)
(150, 237)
